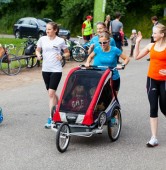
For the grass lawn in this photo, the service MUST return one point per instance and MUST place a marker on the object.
(15, 42)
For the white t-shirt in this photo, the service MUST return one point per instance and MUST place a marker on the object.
(50, 48)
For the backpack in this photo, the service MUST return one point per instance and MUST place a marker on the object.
(30, 49)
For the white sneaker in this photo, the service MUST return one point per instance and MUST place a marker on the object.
(48, 124)
(153, 142)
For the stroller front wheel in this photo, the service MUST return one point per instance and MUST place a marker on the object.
(114, 125)
(102, 119)
(63, 137)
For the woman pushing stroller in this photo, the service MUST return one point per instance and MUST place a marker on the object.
(106, 55)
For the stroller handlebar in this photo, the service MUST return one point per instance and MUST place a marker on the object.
(120, 67)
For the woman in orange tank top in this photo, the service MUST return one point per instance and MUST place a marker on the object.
(156, 78)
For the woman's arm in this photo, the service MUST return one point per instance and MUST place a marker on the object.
(137, 53)
(38, 53)
(66, 53)
(90, 48)
(89, 59)
(125, 58)
(162, 72)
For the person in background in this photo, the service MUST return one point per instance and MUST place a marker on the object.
(94, 42)
(87, 29)
(154, 20)
(115, 28)
(107, 21)
(133, 41)
(51, 46)
(156, 81)
(106, 55)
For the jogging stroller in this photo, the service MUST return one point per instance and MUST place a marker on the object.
(86, 104)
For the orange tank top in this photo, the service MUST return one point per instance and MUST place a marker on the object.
(157, 62)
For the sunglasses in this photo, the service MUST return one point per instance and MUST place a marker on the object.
(103, 43)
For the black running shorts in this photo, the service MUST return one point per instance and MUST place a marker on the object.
(52, 79)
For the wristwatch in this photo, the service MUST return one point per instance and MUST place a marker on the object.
(123, 66)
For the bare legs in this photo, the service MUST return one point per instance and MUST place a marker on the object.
(154, 126)
(53, 99)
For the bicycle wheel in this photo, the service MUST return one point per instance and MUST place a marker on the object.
(21, 52)
(78, 54)
(63, 137)
(32, 61)
(10, 64)
(114, 125)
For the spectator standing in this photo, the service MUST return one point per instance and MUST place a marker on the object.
(156, 79)
(87, 29)
(107, 21)
(51, 46)
(115, 28)
(133, 41)
(154, 20)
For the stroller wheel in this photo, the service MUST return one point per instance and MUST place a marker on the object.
(63, 137)
(114, 125)
(101, 120)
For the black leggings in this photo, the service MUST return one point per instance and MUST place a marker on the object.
(156, 91)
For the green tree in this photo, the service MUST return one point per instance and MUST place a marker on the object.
(75, 11)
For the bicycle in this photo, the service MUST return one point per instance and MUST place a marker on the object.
(26, 53)
(9, 63)
(78, 52)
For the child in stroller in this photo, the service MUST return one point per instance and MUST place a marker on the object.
(78, 100)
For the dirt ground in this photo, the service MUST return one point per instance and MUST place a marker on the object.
(28, 76)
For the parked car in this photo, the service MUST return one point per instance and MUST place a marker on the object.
(35, 28)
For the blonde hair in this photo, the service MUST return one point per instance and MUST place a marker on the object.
(162, 29)
(105, 34)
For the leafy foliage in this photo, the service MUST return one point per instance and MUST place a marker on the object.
(72, 13)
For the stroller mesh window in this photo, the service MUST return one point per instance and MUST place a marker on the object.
(104, 99)
(77, 97)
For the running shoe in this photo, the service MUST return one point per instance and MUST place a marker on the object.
(1, 118)
(152, 143)
(113, 122)
(48, 124)
(1, 115)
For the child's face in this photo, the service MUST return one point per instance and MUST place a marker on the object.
(80, 89)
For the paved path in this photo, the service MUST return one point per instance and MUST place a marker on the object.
(26, 145)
